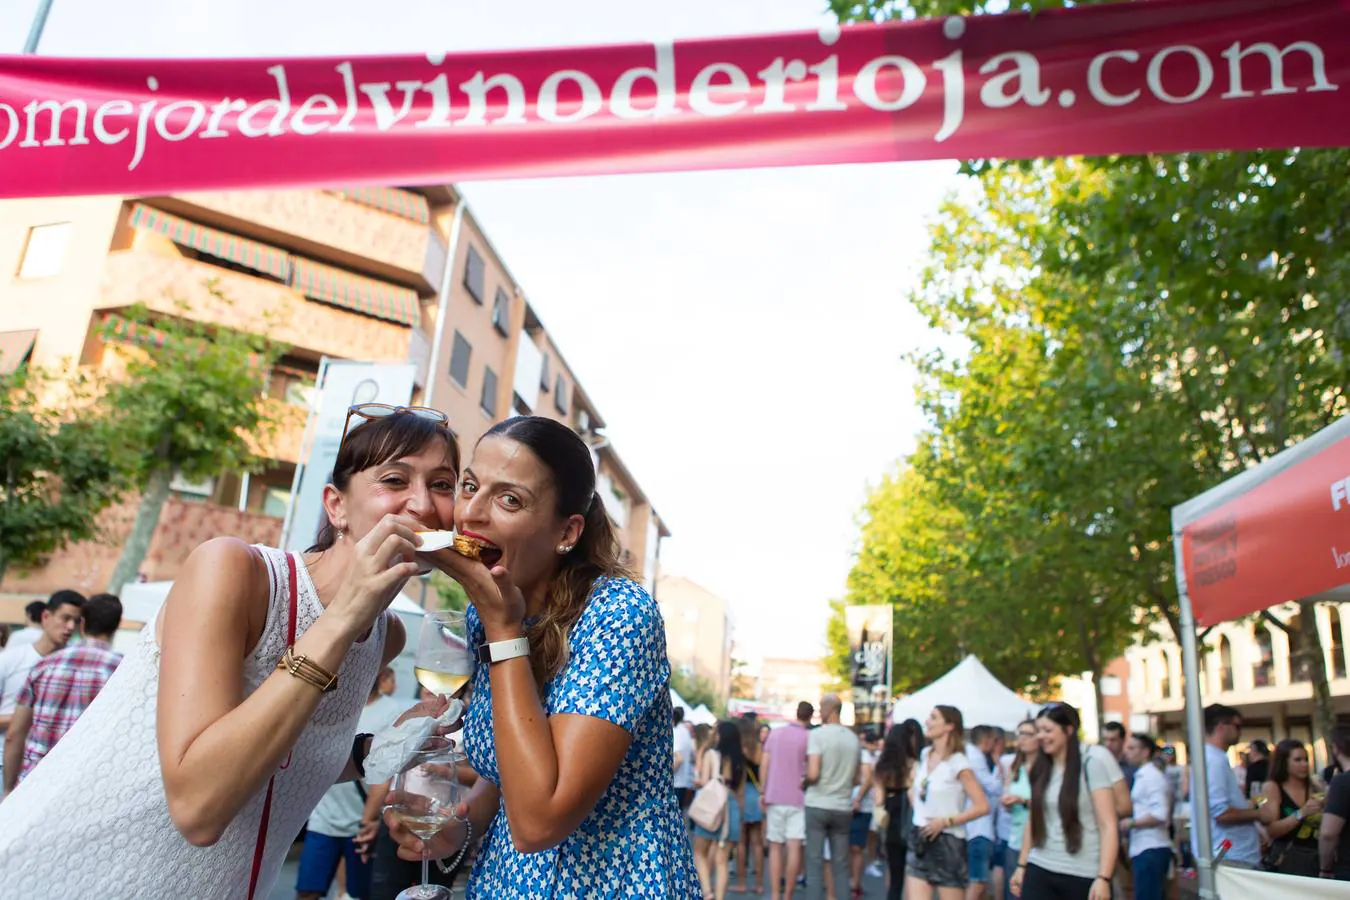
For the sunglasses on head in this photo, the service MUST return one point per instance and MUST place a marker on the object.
(369, 412)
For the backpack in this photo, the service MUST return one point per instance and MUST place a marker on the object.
(709, 807)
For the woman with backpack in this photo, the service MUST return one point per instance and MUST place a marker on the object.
(1072, 838)
(891, 781)
(721, 773)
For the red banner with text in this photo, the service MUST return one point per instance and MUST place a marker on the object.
(1130, 77)
(1299, 517)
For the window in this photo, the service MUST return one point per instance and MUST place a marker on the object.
(544, 381)
(1110, 686)
(489, 399)
(474, 274)
(1337, 648)
(45, 250)
(501, 313)
(1263, 671)
(1165, 677)
(459, 360)
(560, 395)
(1225, 664)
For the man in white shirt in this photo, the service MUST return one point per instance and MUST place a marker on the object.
(832, 756)
(980, 833)
(60, 621)
(683, 762)
(29, 634)
(1234, 817)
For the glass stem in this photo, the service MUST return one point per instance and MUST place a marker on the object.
(426, 870)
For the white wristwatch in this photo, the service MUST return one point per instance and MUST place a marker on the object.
(500, 651)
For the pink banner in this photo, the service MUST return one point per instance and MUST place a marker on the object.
(1147, 76)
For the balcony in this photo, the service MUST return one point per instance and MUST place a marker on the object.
(161, 280)
(326, 226)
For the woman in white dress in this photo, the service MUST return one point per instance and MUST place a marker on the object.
(199, 762)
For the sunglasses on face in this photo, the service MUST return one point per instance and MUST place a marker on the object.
(369, 412)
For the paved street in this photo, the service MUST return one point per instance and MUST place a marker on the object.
(284, 889)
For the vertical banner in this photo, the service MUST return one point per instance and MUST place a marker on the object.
(869, 642)
(342, 386)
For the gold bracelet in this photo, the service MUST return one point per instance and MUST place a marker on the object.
(301, 667)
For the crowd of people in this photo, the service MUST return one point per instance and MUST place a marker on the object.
(982, 813)
(244, 714)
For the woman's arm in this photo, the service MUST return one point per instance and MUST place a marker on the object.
(216, 747)
(1104, 806)
(979, 803)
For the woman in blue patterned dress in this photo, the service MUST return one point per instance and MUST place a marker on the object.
(569, 728)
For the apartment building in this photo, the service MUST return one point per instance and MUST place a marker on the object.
(1246, 665)
(698, 631)
(378, 274)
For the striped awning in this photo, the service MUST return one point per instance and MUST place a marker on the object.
(147, 337)
(116, 328)
(392, 200)
(242, 251)
(364, 295)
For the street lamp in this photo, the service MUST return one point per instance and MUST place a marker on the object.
(39, 23)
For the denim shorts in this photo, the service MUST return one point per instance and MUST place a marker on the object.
(941, 862)
(858, 829)
(979, 855)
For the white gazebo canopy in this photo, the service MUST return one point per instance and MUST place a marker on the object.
(982, 698)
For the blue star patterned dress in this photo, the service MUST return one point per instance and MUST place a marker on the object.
(633, 844)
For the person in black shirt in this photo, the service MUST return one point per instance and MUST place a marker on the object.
(1258, 766)
(1334, 839)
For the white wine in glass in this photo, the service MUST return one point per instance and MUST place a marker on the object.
(443, 662)
(424, 796)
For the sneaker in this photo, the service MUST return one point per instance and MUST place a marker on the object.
(874, 870)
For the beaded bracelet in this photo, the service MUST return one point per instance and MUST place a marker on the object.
(459, 857)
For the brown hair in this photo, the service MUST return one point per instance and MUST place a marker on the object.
(1066, 717)
(376, 443)
(596, 552)
(956, 741)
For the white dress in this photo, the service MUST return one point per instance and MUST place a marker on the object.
(92, 820)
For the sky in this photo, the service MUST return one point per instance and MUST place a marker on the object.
(742, 333)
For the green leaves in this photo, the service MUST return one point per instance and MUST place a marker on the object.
(59, 470)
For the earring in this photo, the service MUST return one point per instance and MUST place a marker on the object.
(563, 549)
(339, 534)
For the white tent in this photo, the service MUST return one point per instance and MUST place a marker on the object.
(982, 698)
(702, 715)
(677, 701)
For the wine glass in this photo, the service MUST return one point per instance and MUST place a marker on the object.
(426, 794)
(443, 662)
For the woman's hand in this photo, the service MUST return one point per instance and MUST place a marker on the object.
(1008, 801)
(380, 565)
(500, 604)
(1101, 889)
(433, 707)
(1015, 883)
(934, 828)
(445, 843)
(1313, 807)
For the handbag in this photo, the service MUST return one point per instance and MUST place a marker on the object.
(709, 807)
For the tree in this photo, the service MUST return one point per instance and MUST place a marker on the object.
(696, 690)
(450, 593)
(190, 402)
(742, 682)
(60, 465)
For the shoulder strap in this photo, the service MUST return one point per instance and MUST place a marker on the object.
(260, 845)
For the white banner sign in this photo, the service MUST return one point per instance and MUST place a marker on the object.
(343, 385)
(1248, 884)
